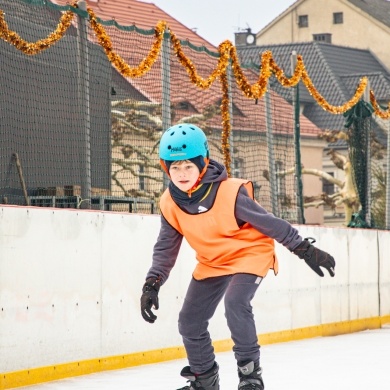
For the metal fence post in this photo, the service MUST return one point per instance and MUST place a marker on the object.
(297, 139)
(166, 88)
(368, 162)
(271, 157)
(231, 135)
(84, 107)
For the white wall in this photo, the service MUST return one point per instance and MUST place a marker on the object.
(70, 285)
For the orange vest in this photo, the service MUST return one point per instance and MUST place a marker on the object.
(221, 246)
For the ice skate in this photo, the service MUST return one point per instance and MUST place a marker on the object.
(250, 377)
(206, 381)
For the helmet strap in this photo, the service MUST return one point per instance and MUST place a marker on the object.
(164, 167)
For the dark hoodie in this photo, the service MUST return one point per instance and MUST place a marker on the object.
(247, 210)
(202, 198)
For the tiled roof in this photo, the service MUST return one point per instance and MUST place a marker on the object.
(143, 15)
(334, 70)
(378, 9)
(249, 117)
(379, 83)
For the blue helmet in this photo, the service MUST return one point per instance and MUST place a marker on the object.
(183, 142)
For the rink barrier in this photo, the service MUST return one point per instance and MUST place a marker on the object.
(61, 371)
(71, 280)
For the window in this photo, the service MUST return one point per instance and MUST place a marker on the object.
(327, 187)
(280, 179)
(238, 165)
(185, 105)
(303, 21)
(338, 18)
(327, 38)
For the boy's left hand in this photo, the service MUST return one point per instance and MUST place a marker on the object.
(314, 257)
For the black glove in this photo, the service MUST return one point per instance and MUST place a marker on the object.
(314, 257)
(149, 298)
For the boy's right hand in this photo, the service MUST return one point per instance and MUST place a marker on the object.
(149, 298)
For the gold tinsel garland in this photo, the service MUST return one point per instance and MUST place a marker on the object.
(321, 100)
(377, 109)
(31, 48)
(226, 127)
(279, 74)
(226, 50)
(105, 41)
(258, 89)
(203, 83)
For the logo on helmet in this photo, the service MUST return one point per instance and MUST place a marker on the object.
(176, 149)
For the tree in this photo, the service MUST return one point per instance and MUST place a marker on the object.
(136, 132)
(346, 195)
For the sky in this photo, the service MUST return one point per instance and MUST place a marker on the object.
(218, 20)
(358, 361)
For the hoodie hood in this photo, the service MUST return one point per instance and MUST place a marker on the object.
(215, 172)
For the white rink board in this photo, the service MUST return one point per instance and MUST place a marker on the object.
(384, 272)
(70, 285)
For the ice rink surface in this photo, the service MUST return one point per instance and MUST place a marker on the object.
(358, 361)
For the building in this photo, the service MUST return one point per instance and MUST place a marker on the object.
(362, 24)
(335, 71)
(249, 125)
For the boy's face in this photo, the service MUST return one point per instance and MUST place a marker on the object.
(184, 174)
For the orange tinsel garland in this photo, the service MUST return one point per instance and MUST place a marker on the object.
(227, 52)
(105, 41)
(226, 127)
(377, 109)
(31, 48)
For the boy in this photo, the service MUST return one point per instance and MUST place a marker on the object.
(233, 237)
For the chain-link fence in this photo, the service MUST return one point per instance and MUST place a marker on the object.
(75, 131)
(55, 113)
(80, 127)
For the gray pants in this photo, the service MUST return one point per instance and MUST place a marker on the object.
(201, 301)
